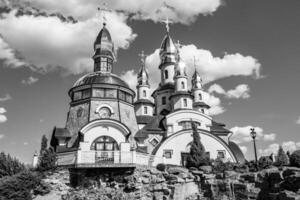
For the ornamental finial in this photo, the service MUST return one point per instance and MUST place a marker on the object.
(102, 11)
(143, 57)
(167, 22)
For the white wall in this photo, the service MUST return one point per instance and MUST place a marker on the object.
(179, 142)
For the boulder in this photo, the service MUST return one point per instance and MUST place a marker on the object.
(288, 195)
(232, 175)
(206, 169)
(177, 170)
(249, 177)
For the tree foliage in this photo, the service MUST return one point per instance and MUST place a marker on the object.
(282, 158)
(265, 162)
(47, 160)
(9, 165)
(295, 159)
(197, 156)
(44, 144)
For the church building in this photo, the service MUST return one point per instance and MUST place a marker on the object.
(109, 125)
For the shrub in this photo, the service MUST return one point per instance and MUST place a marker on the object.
(295, 159)
(282, 158)
(265, 162)
(44, 144)
(9, 166)
(197, 156)
(47, 161)
(161, 167)
(19, 186)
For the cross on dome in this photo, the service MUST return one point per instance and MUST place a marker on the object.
(167, 22)
(142, 56)
(102, 11)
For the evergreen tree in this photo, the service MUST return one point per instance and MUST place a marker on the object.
(282, 158)
(197, 156)
(9, 165)
(44, 144)
(47, 160)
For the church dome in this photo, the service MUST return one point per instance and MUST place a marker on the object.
(103, 44)
(100, 78)
(103, 36)
(168, 50)
(180, 69)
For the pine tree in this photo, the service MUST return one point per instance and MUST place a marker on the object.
(282, 158)
(47, 160)
(44, 144)
(197, 156)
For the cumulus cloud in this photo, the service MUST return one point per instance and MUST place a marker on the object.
(29, 81)
(273, 148)
(60, 43)
(298, 120)
(177, 10)
(9, 55)
(240, 91)
(1, 136)
(6, 97)
(215, 105)
(3, 118)
(242, 134)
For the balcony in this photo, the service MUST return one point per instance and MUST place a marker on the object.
(105, 159)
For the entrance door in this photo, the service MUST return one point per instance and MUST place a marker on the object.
(184, 156)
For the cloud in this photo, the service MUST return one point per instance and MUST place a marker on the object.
(298, 120)
(244, 149)
(214, 68)
(9, 55)
(48, 43)
(1, 136)
(242, 134)
(130, 77)
(273, 148)
(240, 91)
(25, 143)
(269, 137)
(215, 105)
(3, 118)
(177, 10)
(6, 97)
(29, 81)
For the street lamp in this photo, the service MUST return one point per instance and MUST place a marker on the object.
(253, 135)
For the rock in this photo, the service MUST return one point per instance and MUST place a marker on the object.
(206, 169)
(180, 180)
(170, 177)
(288, 195)
(193, 169)
(197, 172)
(232, 175)
(291, 183)
(154, 171)
(183, 175)
(145, 180)
(249, 177)
(287, 171)
(219, 176)
(177, 170)
(146, 174)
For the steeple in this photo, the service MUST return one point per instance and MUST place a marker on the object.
(180, 77)
(143, 105)
(104, 55)
(200, 96)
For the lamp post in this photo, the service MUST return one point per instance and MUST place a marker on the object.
(253, 135)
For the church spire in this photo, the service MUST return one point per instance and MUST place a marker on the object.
(143, 74)
(104, 48)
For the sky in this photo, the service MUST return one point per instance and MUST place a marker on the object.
(246, 51)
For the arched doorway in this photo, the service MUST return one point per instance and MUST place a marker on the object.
(105, 147)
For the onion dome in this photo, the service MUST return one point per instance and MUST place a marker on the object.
(104, 51)
(196, 81)
(143, 76)
(168, 50)
(100, 78)
(180, 69)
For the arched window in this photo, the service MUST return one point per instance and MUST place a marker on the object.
(184, 102)
(105, 143)
(144, 93)
(163, 100)
(200, 96)
(166, 74)
(145, 110)
(182, 85)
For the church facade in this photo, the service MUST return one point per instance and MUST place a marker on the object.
(109, 125)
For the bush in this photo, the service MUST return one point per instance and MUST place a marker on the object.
(47, 161)
(295, 159)
(9, 166)
(19, 186)
(265, 162)
(282, 158)
(161, 167)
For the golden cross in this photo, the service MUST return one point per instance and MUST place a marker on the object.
(102, 10)
(167, 22)
(143, 57)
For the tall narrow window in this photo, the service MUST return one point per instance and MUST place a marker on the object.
(166, 74)
(185, 102)
(163, 100)
(202, 110)
(145, 110)
(144, 93)
(182, 85)
(200, 96)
